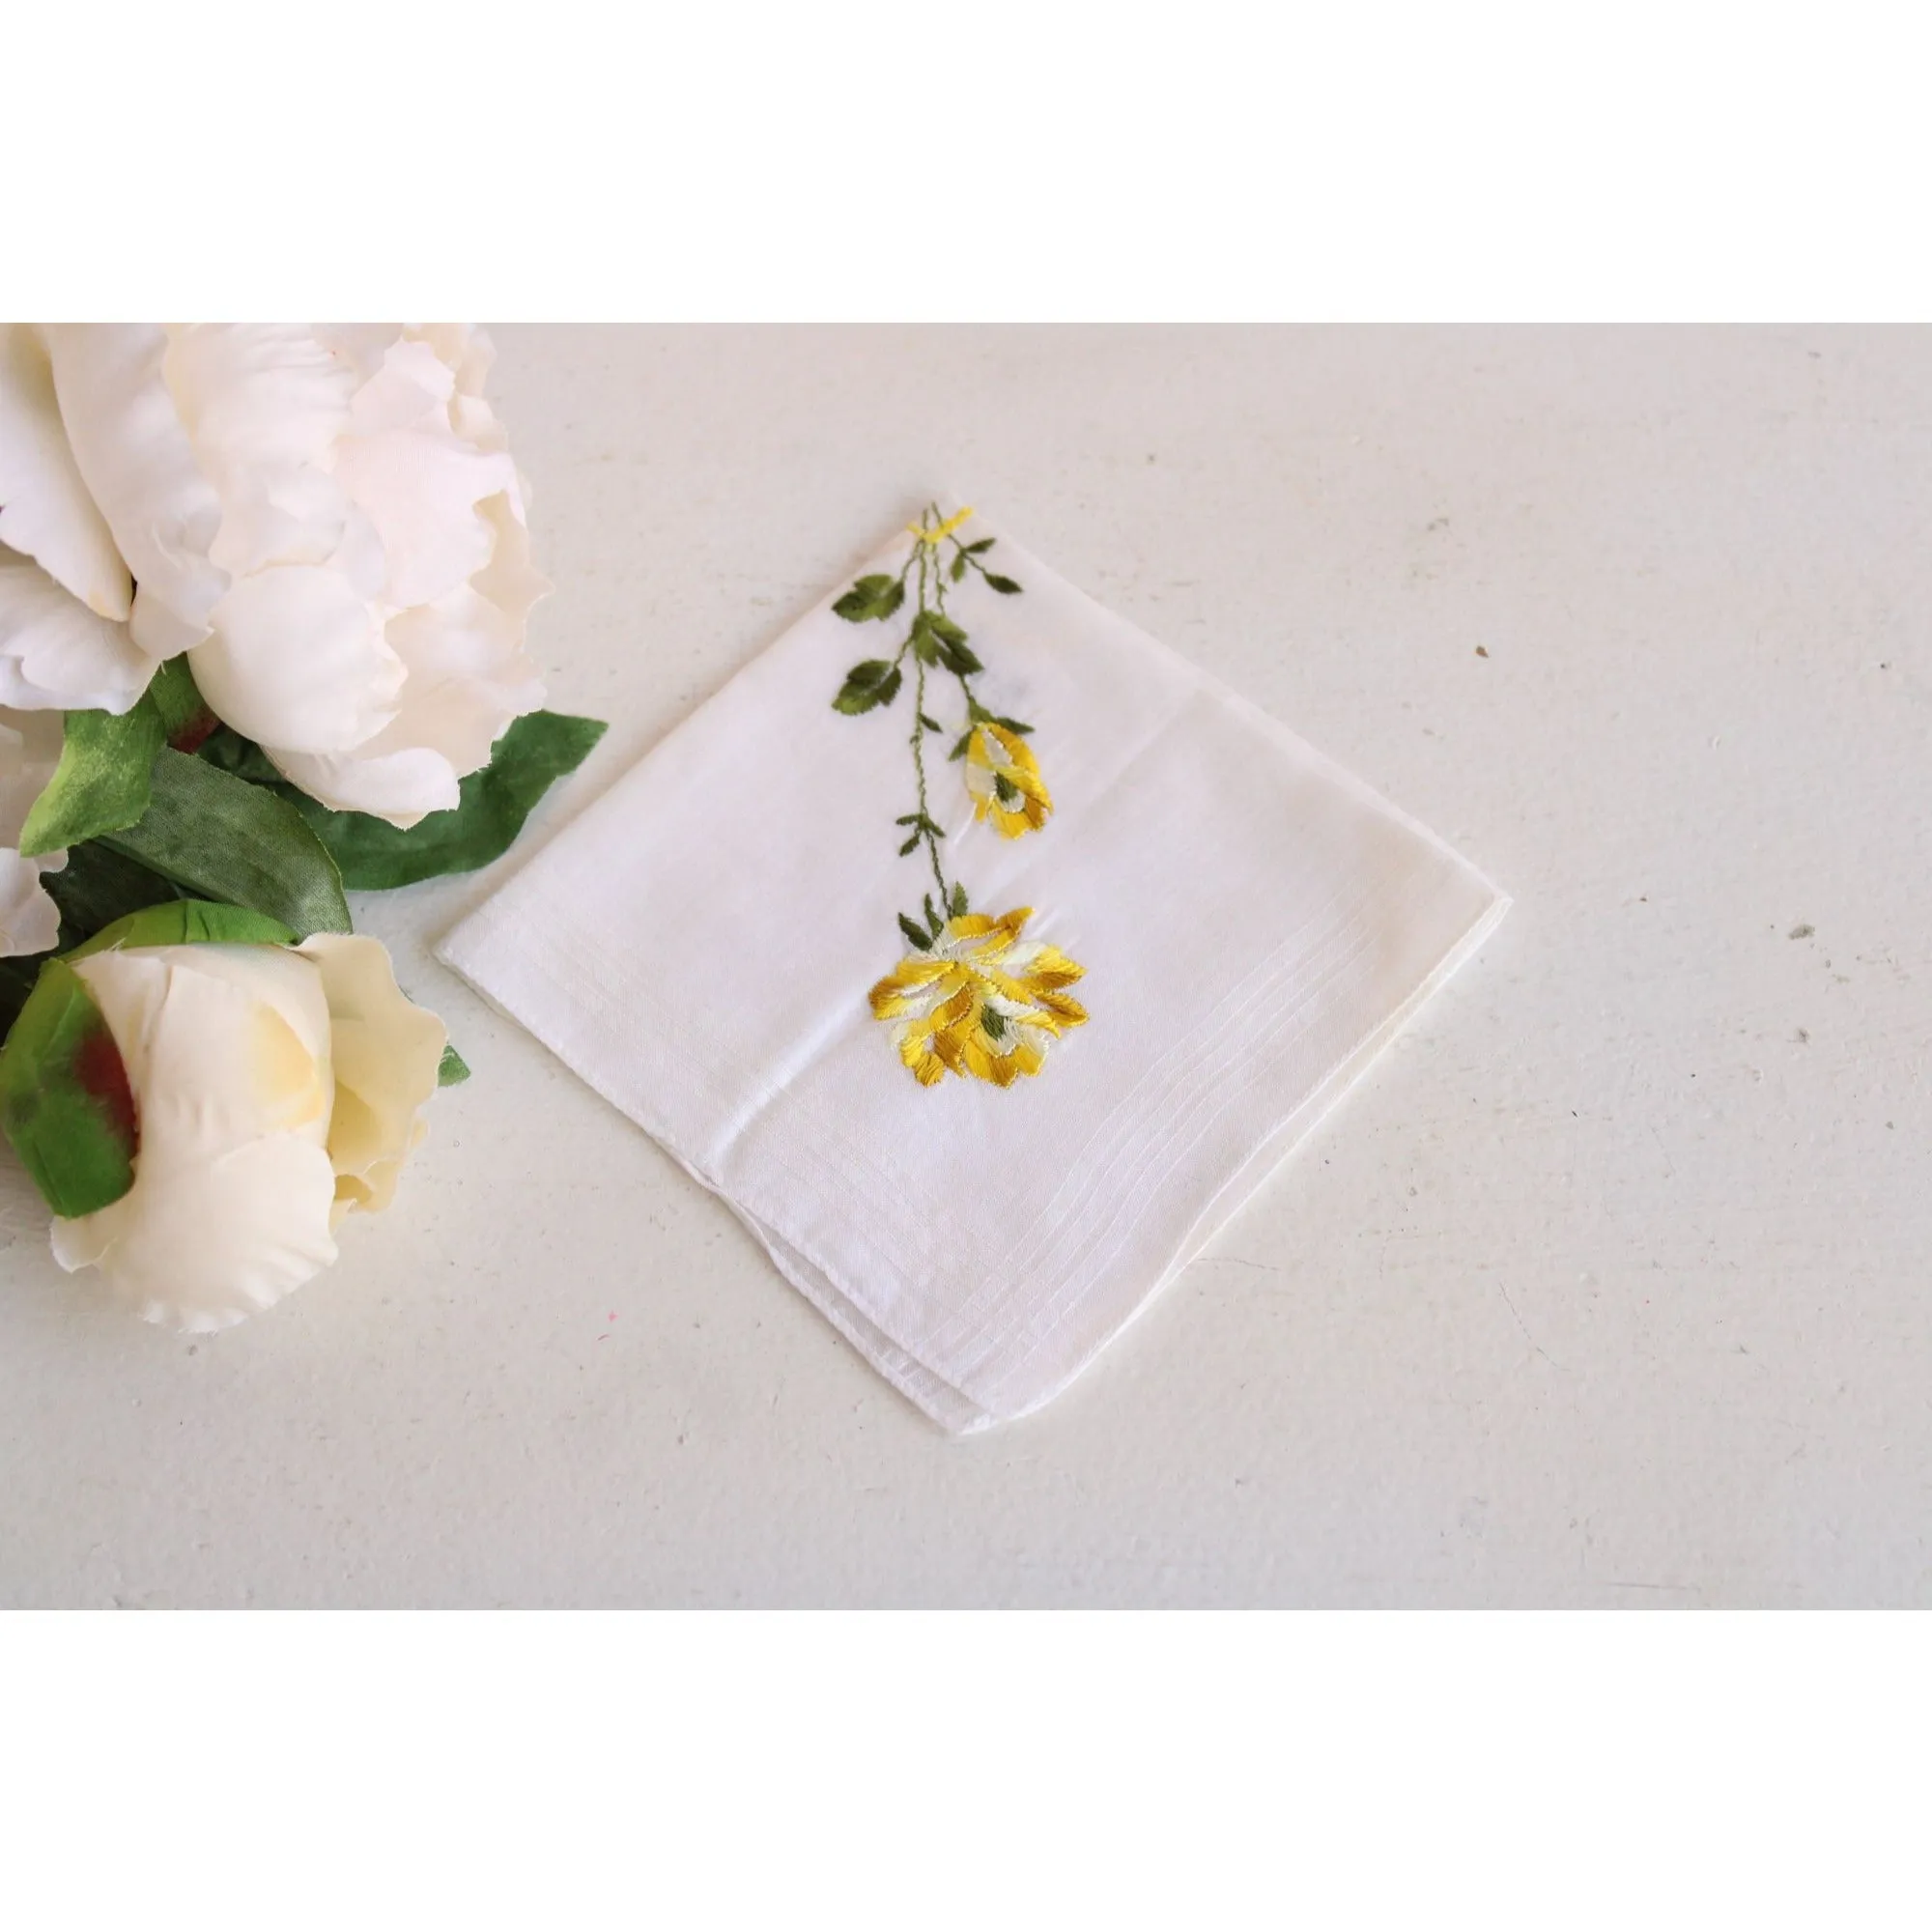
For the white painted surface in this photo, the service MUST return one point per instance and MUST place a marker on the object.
(1610, 1286)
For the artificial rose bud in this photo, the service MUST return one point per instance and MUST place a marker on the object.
(202, 1103)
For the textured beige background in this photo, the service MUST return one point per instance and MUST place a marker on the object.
(1610, 1286)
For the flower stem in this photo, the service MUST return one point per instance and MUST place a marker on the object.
(919, 755)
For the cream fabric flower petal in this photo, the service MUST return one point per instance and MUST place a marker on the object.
(55, 653)
(469, 680)
(295, 659)
(134, 453)
(211, 1242)
(264, 406)
(359, 346)
(29, 919)
(387, 1053)
(420, 488)
(227, 1053)
(30, 748)
(402, 787)
(45, 512)
(410, 388)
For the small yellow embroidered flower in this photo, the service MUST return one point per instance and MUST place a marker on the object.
(1003, 775)
(980, 1003)
(934, 533)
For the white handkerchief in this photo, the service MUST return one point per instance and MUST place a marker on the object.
(982, 1031)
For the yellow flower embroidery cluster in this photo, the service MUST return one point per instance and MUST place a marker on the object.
(971, 998)
(1003, 775)
(978, 1002)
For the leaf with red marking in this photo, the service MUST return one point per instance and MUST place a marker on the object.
(64, 1101)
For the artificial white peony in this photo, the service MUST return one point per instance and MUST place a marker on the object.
(65, 594)
(326, 519)
(274, 1089)
(30, 748)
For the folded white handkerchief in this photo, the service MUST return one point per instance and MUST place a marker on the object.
(982, 955)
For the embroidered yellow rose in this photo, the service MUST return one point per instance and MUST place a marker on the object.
(1002, 775)
(978, 1000)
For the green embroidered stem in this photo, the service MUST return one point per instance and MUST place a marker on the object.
(935, 639)
(926, 826)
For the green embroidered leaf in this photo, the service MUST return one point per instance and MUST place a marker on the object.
(492, 805)
(224, 838)
(1015, 726)
(877, 681)
(452, 1069)
(981, 548)
(188, 923)
(1004, 586)
(870, 597)
(101, 784)
(911, 818)
(932, 918)
(958, 568)
(917, 934)
(64, 1096)
(1004, 788)
(924, 638)
(959, 906)
(909, 844)
(959, 749)
(930, 723)
(186, 722)
(944, 628)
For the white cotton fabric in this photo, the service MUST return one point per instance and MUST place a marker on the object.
(1255, 926)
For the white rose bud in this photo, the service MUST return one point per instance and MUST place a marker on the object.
(261, 1093)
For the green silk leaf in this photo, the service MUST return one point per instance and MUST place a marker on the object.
(222, 838)
(452, 1069)
(101, 784)
(530, 756)
(1004, 586)
(16, 983)
(229, 752)
(918, 934)
(64, 1098)
(98, 886)
(188, 923)
(186, 722)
